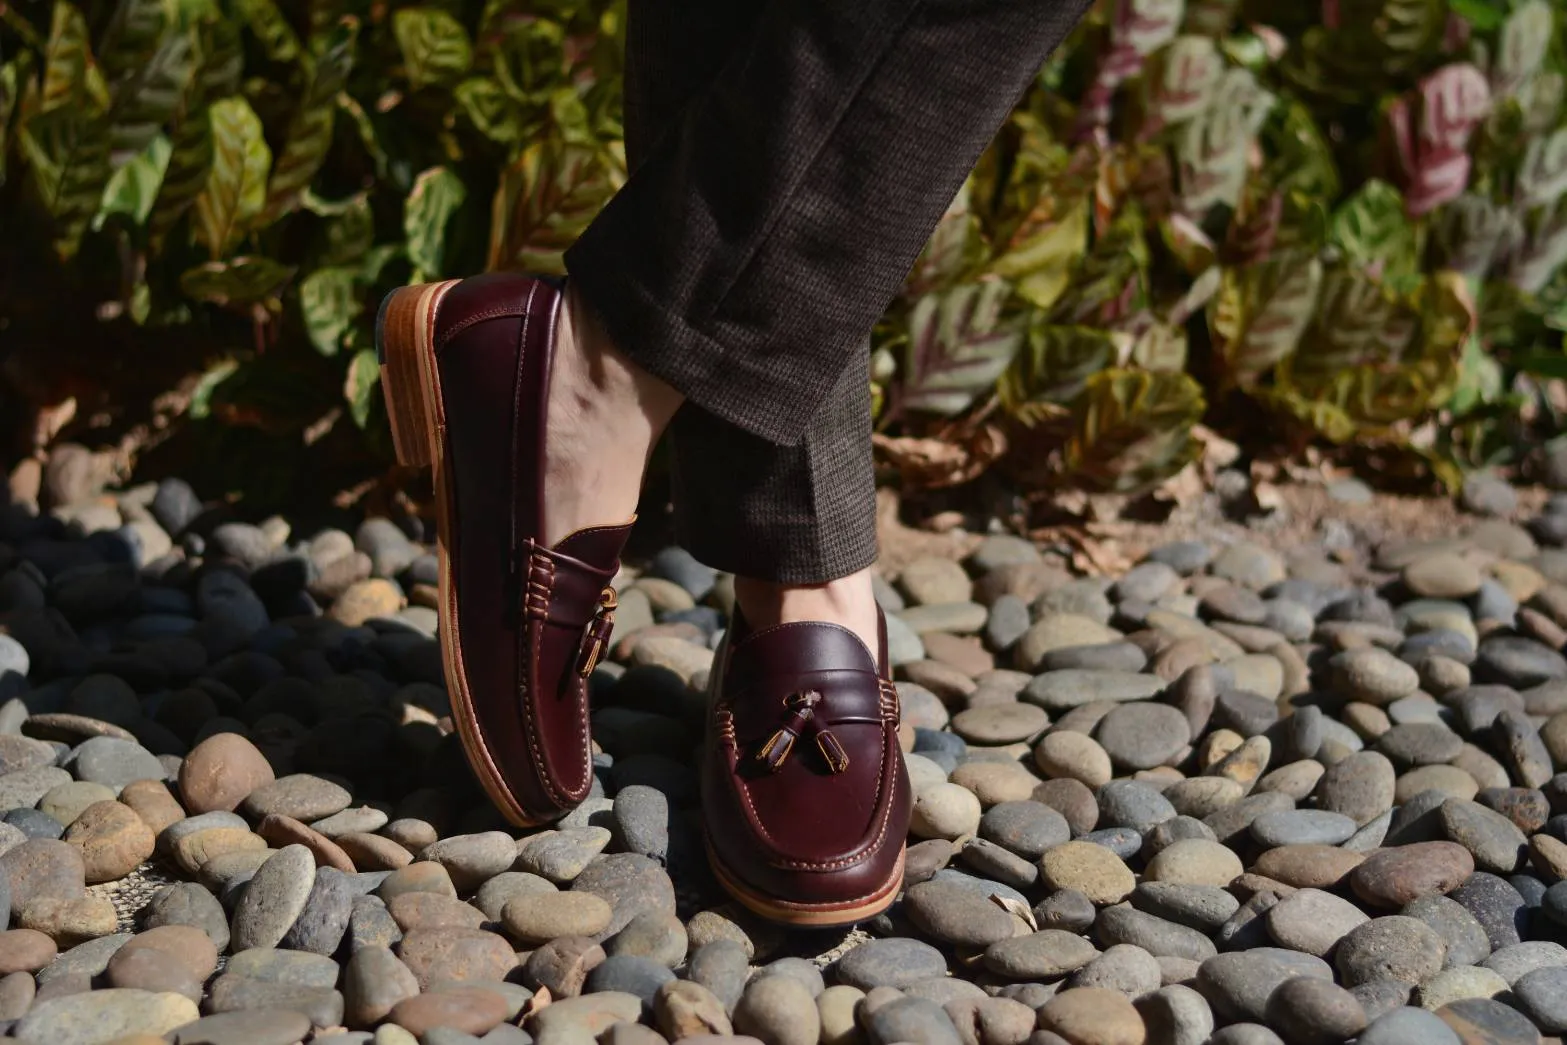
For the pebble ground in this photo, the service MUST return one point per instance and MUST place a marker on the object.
(1233, 796)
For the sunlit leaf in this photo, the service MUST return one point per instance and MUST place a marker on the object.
(490, 109)
(133, 188)
(1056, 363)
(1041, 265)
(959, 342)
(71, 77)
(436, 195)
(362, 385)
(329, 302)
(1132, 428)
(544, 201)
(1260, 312)
(66, 144)
(236, 184)
(434, 44)
(1371, 230)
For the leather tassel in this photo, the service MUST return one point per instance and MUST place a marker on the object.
(832, 750)
(773, 753)
(596, 638)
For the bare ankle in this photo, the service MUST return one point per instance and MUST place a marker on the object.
(849, 601)
(605, 413)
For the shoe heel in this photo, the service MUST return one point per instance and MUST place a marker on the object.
(403, 347)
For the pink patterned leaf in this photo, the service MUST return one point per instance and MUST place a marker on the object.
(1433, 164)
(1138, 28)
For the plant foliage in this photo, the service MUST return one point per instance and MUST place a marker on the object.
(1344, 221)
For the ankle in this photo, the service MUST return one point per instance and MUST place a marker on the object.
(595, 378)
(848, 601)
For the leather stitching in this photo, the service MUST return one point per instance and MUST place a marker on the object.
(494, 312)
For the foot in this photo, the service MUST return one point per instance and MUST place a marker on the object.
(804, 794)
(605, 413)
(849, 601)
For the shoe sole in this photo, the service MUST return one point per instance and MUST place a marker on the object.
(804, 915)
(411, 383)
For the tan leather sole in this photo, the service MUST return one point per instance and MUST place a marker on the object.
(816, 916)
(405, 332)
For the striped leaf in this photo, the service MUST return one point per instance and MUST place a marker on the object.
(435, 46)
(309, 134)
(235, 189)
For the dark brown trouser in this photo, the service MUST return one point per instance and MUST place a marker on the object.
(789, 160)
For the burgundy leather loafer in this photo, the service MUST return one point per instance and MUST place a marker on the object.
(465, 368)
(804, 790)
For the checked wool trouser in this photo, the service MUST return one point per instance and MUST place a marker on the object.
(789, 159)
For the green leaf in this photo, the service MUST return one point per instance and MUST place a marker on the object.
(1483, 15)
(490, 109)
(68, 150)
(71, 76)
(238, 283)
(436, 195)
(1260, 312)
(236, 182)
(148, 98)
(133, 188)
(958, 344)
(201, 395)
(1480, 379)
(1132, 429)
(1041, 265)
(309, 133)
(360, 385)
(329, 302)
(1373, 231)
(434, 44)
(66, 143)
(267, 24)
(545, 199)
(1056, 363)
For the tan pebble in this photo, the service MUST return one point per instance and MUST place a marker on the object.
(1450, 780)
(1092, 1016)
(1073, 755)
(282, 830)
(1246, 763)
(195, 849)
(1297, 779)
(70, 922)
(1216, 747)
(113, 841)
(221, 771)
(1194, 861)
(1091, 869)
(153, 803)
(372, 852)
(1309, 866)
(1367, 720)
(1549, 857)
